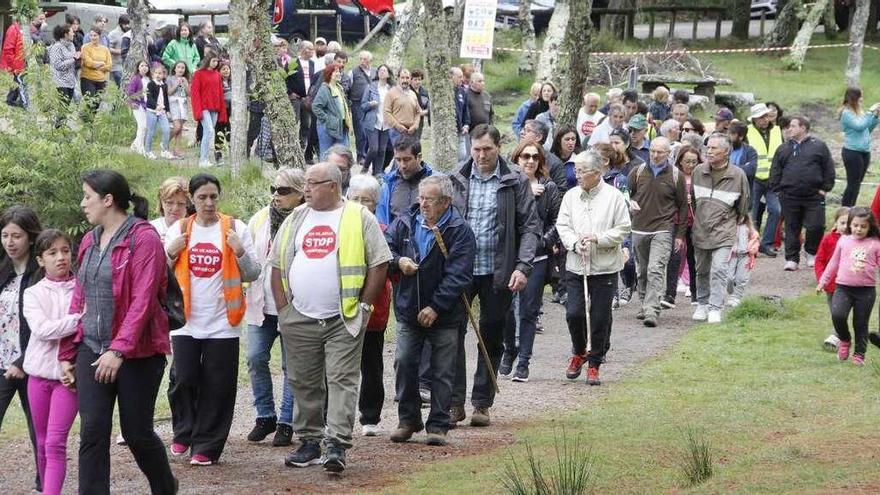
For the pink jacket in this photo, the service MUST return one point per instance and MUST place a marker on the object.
(854, 263)
(46, 306)
(140, 325)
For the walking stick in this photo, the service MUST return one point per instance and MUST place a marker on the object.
(586, 261)
(467, 306)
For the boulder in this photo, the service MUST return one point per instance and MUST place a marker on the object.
(738, 102)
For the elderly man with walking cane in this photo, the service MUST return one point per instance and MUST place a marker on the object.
(592, 224)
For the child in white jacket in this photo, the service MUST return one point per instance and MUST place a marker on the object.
(50, 388)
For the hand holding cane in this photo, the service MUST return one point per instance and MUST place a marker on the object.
(480, 343)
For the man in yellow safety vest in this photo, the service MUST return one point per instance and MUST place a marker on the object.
(765, 138)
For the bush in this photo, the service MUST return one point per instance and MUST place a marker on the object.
(697, 465)
(572, 474)
(758, 309)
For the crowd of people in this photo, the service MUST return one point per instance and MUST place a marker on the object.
(635, 198)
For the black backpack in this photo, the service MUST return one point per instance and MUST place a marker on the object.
(172, 303)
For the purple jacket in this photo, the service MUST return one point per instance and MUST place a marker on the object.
(140, 325)
(134, 87)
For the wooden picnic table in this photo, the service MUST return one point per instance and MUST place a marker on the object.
(704, 86)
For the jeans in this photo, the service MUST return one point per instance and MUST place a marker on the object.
(206, 147)
(530, 300)
(859, 300)
(8, 389)
(856, 164)
(444, 348)
(601, 289)
(494, 305)
(259, 352)
(372, 395)
(53, 409)
(326, 140)
(360, 134)
(761, 188)
(394, 136)
(713, 272)
(152, 119)
(378, 141)
(803, 213)
(116, 76)
(203, 398)
(652, 256)
(135, 390)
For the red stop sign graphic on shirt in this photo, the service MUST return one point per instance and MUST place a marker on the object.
(319, 242)
(587, 127)
(205, 260)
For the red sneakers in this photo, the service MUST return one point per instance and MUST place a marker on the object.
(575, 365)
(843, 351)
(200, 460)
(858, 359)
(178, 449)
(593, 376)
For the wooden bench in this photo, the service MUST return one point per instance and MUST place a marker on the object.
(704, 86)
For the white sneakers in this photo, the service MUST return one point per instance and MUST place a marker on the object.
(790, 266)
(831, 343)
(702, 313)
(168, 155)
(714, 316)
(370, 430)
(811, 260)
(733, 302)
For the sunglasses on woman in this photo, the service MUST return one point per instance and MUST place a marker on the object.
(529, 156)
(282, 191)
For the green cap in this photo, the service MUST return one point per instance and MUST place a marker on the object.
(638, 121)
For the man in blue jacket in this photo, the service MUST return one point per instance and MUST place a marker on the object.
(427, 303)
(741, 153)
(401, 184)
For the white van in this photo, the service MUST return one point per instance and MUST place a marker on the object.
(87, 10)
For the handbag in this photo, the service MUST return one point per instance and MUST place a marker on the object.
(172, 303)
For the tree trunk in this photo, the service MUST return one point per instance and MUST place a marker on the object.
(139, 13)
(437, 62)
(802, 41)
(741, 12)
(872, 20)
(830, 23)
(403, 32)
(785, 29)
(616, 24)
(549, 61)
(578, 44)
(857, 39)
(527, 31)
(269, 85)
(238, 120)
(454, 26)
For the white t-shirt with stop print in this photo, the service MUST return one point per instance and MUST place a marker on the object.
(314, 273)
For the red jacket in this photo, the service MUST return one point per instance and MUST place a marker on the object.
(207, 94)
(823, 256)
(12, 56)
(140, 325)
(875, 204)
(382, 306)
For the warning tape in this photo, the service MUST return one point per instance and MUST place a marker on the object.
(684, 51)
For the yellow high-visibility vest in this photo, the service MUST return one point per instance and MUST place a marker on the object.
(765, 152)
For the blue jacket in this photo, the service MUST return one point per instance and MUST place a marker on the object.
(748, 161)
(393, 205)
(371, 114)
(462, 114)
(439, 282)
(857, 129)
(520, 118)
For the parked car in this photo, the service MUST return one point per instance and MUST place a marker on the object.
(508, 11)
(295, 26)
(767, 7)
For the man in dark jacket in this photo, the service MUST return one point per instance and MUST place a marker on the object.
(742, 154)
(497, 202)
(361, 77)
(400, 186)
(298, 83)
(427, 303)
(802, 173)
(462, 114)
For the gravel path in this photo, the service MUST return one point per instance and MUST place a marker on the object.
(376, 462)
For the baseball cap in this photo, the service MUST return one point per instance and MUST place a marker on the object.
(320, 40)
(723, 114)
(638, 121)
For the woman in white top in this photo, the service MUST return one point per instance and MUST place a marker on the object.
(262, 317)
(174, 204)
(212, 256)
(374, 124)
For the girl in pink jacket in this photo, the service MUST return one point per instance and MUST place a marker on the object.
(50, 389)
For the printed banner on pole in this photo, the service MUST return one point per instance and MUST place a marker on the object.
(478, 29)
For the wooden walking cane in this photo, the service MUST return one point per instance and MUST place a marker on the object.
(467, 306)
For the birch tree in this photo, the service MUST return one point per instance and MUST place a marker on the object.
(238, 117)
(578, 44)
(802, 41)
(437, 62)
(403, 34)
(785, 28)
(527, 31)
(857, 39)
(549, 61)
(830, 23)
(139, 14)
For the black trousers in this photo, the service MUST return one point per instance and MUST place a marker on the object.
(203, 397)
(372, 394)
(253, 131)
(92, 91)
(601, 289)
(135, 390)
(8, 389)
(494, 305)
(859, 301)
(856, 164)
(800, 214)
(672, 269)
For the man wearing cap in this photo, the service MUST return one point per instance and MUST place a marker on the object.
(320, 51)
(765, 138)
(639, 144)
(723, 118)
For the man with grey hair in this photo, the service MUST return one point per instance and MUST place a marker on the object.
(341, 156)
(427, 303)
(298, 83)
(462, 114)
(329, 264)
(479, 101)
(593, 222)
(589, 116)
(720, 199)
(361, 77)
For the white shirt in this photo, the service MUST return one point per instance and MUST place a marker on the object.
(161, 227)
(601, 134)
(314, 273)
(586, 123)
(319, 63)
(380, 113)
(307, 76)
(207, 316)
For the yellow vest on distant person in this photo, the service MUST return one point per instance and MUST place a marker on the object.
(765, 152)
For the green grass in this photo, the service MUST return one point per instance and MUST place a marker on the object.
(780, 415)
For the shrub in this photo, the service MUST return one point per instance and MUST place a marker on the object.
(571, 474)
(697, 465)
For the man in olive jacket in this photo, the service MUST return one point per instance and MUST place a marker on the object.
(496, 200)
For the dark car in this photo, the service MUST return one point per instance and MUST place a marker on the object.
(542, 10)
(294, 25)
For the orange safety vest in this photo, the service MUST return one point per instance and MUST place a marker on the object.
(233, 292)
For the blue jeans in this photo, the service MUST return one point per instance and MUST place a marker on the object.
(760, 189)
(530, 300)
(326, 140)
(209, 122)
(444, 348)
(162, 120)
(394, 136)
(259, 351)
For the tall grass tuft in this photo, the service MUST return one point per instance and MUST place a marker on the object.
(697, 465)
(572, 473)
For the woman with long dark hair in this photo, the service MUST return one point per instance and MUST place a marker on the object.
(542, 104)
(181, 49)
(19, 228)
(857, 127)
(209, 104)
(565, 146)
(118, 351)
(374, 122)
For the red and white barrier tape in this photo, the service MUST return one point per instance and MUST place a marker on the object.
(686, 51)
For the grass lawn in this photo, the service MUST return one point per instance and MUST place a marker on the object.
(780, 416)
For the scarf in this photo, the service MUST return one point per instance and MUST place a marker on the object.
(276, 216)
